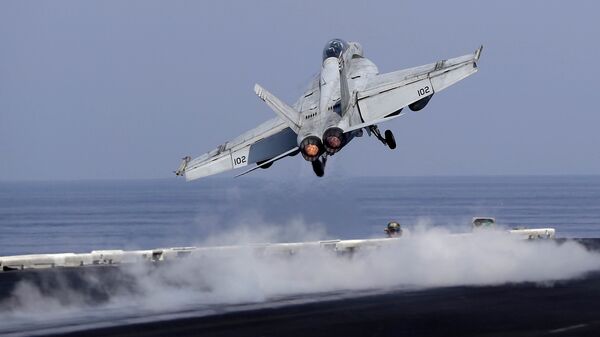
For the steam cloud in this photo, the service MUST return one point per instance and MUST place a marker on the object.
(429, 257)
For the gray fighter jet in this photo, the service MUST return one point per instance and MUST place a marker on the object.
(347, 97)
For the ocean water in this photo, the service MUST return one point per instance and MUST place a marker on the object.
(80, 216)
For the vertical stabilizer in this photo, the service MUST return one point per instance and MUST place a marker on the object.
(344, 90)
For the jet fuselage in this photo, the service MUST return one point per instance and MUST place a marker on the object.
(320, 130)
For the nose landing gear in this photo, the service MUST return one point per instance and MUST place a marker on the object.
(319, 166)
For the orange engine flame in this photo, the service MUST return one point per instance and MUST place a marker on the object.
(334, 142)
(311, 150)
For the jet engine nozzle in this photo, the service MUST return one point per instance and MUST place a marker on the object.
(311, 148)
(333, 140)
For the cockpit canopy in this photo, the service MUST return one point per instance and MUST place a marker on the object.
(334, 48)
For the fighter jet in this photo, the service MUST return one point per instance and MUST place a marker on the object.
(349, 97)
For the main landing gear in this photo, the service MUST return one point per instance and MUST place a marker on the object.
(388, 138)
(319, 166)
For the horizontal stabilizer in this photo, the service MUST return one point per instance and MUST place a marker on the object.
(286, 112)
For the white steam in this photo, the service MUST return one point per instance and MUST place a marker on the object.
(427, 258)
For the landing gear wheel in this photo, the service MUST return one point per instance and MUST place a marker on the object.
(389, 139)
(318, 168)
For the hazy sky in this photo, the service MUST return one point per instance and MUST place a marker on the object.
(124, 89)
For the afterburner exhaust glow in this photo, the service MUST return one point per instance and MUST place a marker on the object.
(334, 140)
(311, 148)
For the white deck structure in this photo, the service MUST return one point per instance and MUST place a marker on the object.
(121, 257)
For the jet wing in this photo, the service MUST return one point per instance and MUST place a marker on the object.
(271, 141)
(263, 143)
(384, 95)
